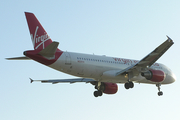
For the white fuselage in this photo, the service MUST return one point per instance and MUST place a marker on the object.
(102, 68)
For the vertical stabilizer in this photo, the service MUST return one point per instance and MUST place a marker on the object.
(39, 36)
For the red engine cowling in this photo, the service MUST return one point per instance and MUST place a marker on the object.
(154, 75)
(110, 88)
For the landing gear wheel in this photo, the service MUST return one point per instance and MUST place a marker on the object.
(131, 84)
(160, 93)
(126, 85)
(97, 93)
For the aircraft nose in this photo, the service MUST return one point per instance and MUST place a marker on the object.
(173, 77)
(170, 78)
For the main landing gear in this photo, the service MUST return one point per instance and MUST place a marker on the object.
(129, 84)
(100, 88)
(160, 93)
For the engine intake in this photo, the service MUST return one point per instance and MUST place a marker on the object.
(154, 75)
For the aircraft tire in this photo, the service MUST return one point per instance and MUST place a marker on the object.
(126, 85)
(99, 93)
(160, 93)
(131, 84)
(96, 94)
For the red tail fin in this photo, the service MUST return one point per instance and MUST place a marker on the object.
(39, 36)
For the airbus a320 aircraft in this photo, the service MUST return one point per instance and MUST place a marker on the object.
(101, 71)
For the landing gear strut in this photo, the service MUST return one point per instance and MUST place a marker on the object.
(160, 93)
(129, 84)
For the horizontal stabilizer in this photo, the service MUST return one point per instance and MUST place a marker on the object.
(86, 80)
(50, 50)
(19, 58)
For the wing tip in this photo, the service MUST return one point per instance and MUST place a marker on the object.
(169, 39)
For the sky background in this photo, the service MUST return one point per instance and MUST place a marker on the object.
(118, 28)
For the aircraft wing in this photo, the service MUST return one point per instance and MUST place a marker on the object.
(86, 80)
(150, 59)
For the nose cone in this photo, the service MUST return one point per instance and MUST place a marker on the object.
(170, 78)
(173, 77)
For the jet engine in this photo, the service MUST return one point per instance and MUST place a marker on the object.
(110, 88)
(154, 75)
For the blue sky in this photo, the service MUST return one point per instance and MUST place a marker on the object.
(127, 29)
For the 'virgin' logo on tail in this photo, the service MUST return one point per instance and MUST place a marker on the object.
(38, 41)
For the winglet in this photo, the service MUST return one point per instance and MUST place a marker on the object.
(31, 80)
(168, 37)
(170, 40)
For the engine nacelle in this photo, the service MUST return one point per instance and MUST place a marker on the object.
(154, 75)
(110, 88)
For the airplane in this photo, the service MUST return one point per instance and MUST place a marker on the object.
(101, 71)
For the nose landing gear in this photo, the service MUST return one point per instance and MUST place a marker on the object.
(160, 93)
